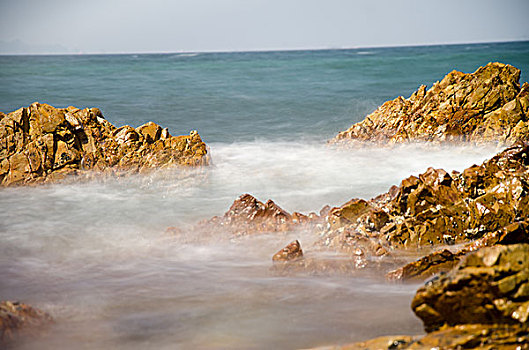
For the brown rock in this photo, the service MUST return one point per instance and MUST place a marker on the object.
(15, 317)
(490, 286)
(150, 131)
(437, 208)
(247, 215)
(426, 266)
(471, 336)
(290, 252)
(484, 106)
(42, 143)
(348, 213)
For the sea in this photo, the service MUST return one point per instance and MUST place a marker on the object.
(96, 255)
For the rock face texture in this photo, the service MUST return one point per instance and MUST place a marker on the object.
(468, 336)
(486, 204)
(291, 252)
(247, 215)
(481, 304)
(43, 143)
(15, 316)
(485, 106)
(490, 286)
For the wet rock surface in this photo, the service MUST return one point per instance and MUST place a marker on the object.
(427, 266)
(489, 286)
(485, 106)
(248, 215)
(486, 204)
(291, 252)
(483, 303)
(42, 143)
(471, 336)
(16, 317)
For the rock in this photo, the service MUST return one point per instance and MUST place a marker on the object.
(438, 208)
(348, 213)
(42, 143)
(426, 266)
(290, 252)
(485, 106)
(490, 286)
(16, 317)
(247, 215)
(471, 336)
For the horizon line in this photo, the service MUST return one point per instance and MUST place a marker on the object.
(383, 46)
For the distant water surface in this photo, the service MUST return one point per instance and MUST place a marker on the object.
(242, 96)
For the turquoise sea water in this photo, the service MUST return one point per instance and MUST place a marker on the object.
(95, 255)
(242, 96)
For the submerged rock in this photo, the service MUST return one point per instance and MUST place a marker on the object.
(291, 252)
(43, 143)
(16, 317)
(485, 106)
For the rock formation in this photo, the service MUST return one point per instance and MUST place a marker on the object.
(247, 215)
(485, 106)
(490, 286)
(16, 317)
(291, 252)
(43, 143)
(481, 304)
(486, 204)
(468, 336)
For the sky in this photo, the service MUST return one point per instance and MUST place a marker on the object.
(138, 26)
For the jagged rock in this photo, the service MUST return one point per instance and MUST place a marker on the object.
(291, 252)
(437, 208)
(485, 106)
(43, 143)
(247, 215)
(471, 336)
(16, 316)
(426, 266)
(489, 286)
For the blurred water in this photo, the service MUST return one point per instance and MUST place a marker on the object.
(94, 254)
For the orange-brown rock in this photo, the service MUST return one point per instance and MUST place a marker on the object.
(468, 336)
(291, 252)
(43, 143)
(427, 266)
(485, 106)
(16, 317)
(247, 215)
(486, 204)
(490, 286)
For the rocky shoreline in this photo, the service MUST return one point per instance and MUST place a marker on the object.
(41, 143)
(473, 225)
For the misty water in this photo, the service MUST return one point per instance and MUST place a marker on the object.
(96, 256)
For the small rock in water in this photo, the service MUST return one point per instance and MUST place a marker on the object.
(16, 317)
(290, 252)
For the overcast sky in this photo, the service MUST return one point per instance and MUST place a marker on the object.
(115, 26)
